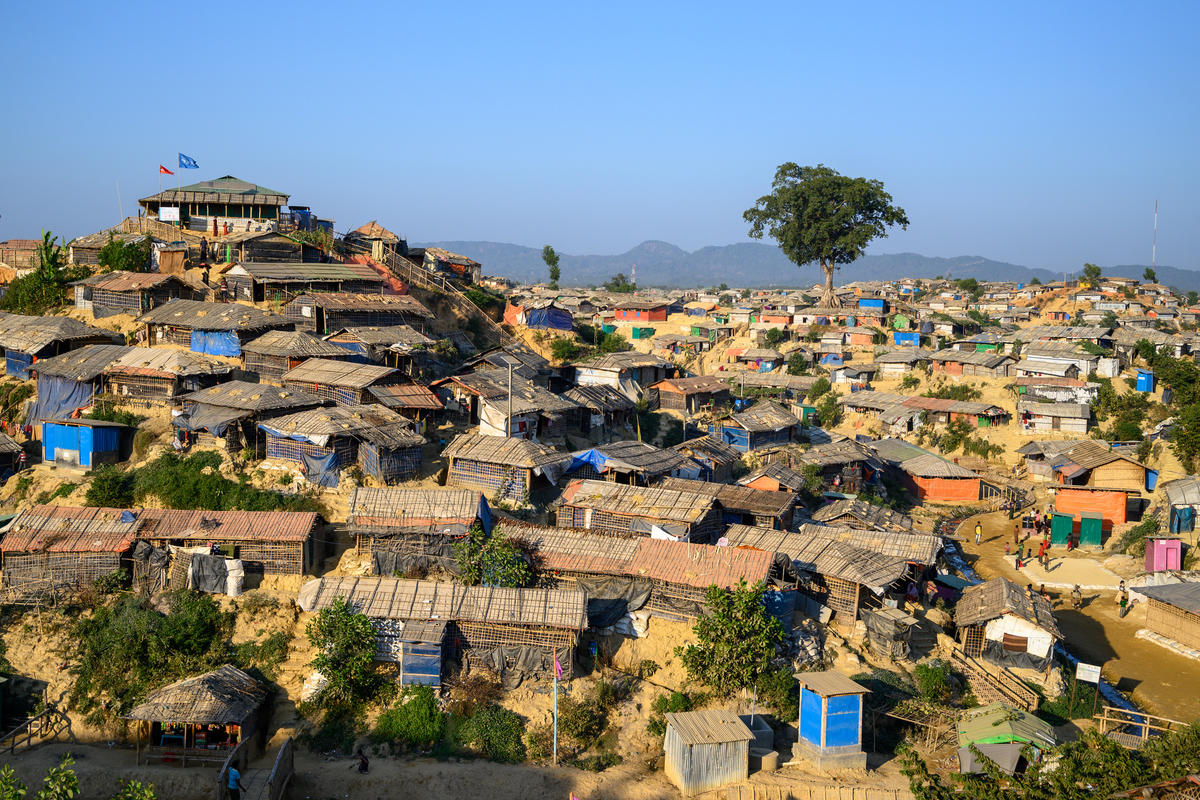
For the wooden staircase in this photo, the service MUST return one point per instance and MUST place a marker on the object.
(47, 725)
(991, 684)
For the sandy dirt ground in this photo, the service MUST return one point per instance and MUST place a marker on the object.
(1157, 678)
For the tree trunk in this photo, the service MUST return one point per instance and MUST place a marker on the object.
(829, 298)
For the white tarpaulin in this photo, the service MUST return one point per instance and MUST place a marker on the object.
(1038, 641)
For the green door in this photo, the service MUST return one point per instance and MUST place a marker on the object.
(1061, 527)
(1091, 528)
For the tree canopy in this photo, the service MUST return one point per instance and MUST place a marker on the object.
(619, 283)
(45, 287)
(132, 256)
(551, 259)
(1150, 275)
(1091, 274)
(817, 214)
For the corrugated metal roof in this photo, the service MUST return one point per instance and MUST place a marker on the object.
(350, 301)
(294, 343)
(599, 397)
(698, 566)
(765, 415)
(511, 451)
(739, 499)
(338, 373)
(711, 726)
(252, 396)
(1184, 596)
(121, 281)
(161, 361)
(828, 683)
(1183, 491)
(372, 423)
(823, 555)
(406, 395)
(201, 315)
(575, 549)
(637, 501)
(83, 364)
(25, 334)
(67, 529)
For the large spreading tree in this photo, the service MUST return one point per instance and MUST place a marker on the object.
(817, 214)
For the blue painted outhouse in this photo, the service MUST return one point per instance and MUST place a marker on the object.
(1145, 381)
(81, 442)
(830, 724)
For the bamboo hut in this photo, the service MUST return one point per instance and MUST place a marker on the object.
(390, 345)
(343, 382)
(201, 719)
(669, 579)
(227, 414)
(862, 515)
(629, 462)
(513, 632)
(326, 440)
(147, 376)
(605, 409)
(260, 282)
(775, 477)
(741, 504)
(275, 352)
(52, 550)
(325, 312)
(267, 542)
(614, 507)
(830, 572)
(10, 454)
(504, 468)
(706, 750)
(690, 395)
(413, 400)
(69, 382)
(1173, 611)
(111, 293)
(716, 459)
(765, 424)
(1006, 624)
(413, 530)
(218, 329)
(26, 339)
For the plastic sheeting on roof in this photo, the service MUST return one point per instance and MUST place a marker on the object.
(216, 343)
(58, 398)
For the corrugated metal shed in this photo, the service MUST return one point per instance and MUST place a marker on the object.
(828, 683)
(711, 726)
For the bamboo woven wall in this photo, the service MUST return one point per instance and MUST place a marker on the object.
(57, 570)
(142, 389)
(389, 466)
(270, 369)
(287, 449)
(500, 480)
(1174, 623)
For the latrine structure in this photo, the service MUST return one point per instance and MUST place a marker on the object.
(343, 382)
(332, 438)
(514, 632)
(615, 507)
(275, 352)
(53, 550)
(504, 468)
(413, 530)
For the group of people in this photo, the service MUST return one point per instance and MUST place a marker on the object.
(1024, 556)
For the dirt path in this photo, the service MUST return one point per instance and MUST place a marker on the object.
(1160, 680)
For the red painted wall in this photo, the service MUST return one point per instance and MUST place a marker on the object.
(945, 490)
(641, 314)
(1110, 505)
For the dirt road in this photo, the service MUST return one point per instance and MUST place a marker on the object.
(1160, 680)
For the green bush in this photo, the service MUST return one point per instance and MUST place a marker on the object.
(413, 720)
(127, 648)
(336, 732)
(495, 560)
(195, 482)
(664, 704)
(933, 681)
(345, 643)
(735, 639)
(494, 732)
(266, 656)
(820, 387)
(779, 690)
(582, 721)
(598, 762)
(111, 487)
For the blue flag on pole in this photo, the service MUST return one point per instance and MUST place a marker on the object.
(187, 162)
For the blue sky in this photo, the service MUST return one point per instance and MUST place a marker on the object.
(1038, 133)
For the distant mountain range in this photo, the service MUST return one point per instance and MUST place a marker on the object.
(759, 264)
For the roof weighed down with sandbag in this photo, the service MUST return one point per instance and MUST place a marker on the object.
(205, 316)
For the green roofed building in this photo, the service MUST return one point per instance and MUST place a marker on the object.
(223, 199)
(1001, 733)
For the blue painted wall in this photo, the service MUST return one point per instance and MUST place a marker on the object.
(810, 717)
(842, 725)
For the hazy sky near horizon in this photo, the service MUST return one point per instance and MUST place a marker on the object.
(1037, 133)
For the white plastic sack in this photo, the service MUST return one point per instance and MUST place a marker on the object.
(313, 686)
(235, 576)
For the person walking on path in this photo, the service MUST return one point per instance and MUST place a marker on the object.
(1016, 534)
(1076, 598)
(978, 531)
(235, 784)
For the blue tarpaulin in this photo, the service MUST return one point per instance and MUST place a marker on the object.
(1183, 520)
(17, 364)
(553, 318)
(588, 458)
(214, 419)
(359, 350)
(58, 397)
(216, 343)
(321, 470)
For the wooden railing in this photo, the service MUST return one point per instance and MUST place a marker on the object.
(237, 758)
(410, 273)
(162, 230)
(46, 725)
(995, 683)
(1132, 729)
(281, 773)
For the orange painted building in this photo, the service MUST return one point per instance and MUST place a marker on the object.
(1075, 499)
(944, 490)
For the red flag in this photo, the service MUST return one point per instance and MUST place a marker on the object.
(164, 171)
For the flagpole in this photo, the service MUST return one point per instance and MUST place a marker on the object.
(556, 709)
